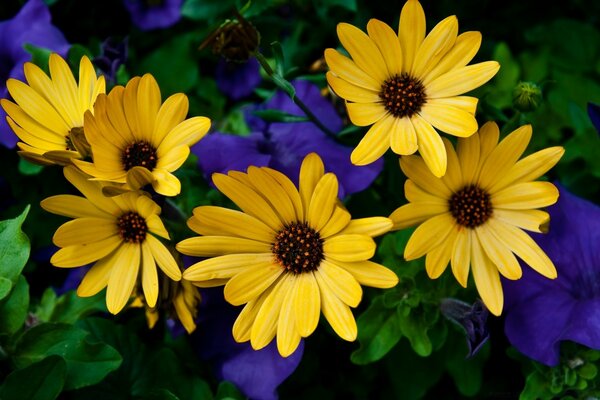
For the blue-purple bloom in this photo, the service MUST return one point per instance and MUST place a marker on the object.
(540, 313)
(113, 54)
(594, 114)
(154, 14)
(283, 146)
(237, 80)
(30, 26)
(256, 373)
(472, 318)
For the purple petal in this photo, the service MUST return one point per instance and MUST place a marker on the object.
(237, 80)
(584, 326)
(147, 17)
(594, 114)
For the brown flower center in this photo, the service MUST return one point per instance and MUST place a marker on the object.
(471, 206)
(139, 154)
(298, 248)
(403, 95)
(132, 227)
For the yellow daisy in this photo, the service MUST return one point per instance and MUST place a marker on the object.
(48, 114)
(473, 217)
(114, 233)
(289, 254)
(137, 141)
(407, 84)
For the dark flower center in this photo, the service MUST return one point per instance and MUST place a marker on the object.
(298, 248)
(403, 95)
(132, 227)
(139, 154)
(471, 206)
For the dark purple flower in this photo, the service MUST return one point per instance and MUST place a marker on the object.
(256, 373)
(237, 80)
(113, 54)
(154, 14)
(540, 312)
(594, 113)
(30, 26)
(283, 146)
(472, 318)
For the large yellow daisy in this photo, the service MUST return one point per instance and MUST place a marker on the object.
(117, 235)
(288, 255)
(137, 141)
(407, 84)
(48, 114)
(473, 217)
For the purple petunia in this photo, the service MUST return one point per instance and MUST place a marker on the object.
(154, 14)
(540, 313)
(237, 80)
(283, 146)
(30, 26)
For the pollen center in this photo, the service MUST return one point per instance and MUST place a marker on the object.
(471, 206)
(298, 248)
(403, 95)
(139, 154)
(132, 227)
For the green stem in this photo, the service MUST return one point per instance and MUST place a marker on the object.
(173, 212)
(278, 79)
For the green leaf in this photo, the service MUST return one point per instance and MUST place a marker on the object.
(76, 51)
(466, 373)
(13, 309)
(271, 115)
(27, 168)
(70, 308)
(14, 247)
(88, 362)
(379, 331)
(228, 391)
(39, 55)
(42, 380)
(284, 85)
(277, 50)
(203, 10)
(5, 286)
(506, 78)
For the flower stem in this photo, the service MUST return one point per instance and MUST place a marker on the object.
(287, 87)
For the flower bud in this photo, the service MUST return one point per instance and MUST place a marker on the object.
(527, 96)
(235, 40)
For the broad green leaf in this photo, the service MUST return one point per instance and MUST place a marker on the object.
(379, 331)
(5, 286)
(39, 55)
(43, 380)
(13, 309)
(70, 308)
(14, 247)
(228, 391)
(88, 361)
(414, 324)
(27, 168)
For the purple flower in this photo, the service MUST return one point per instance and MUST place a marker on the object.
(237, 80)
(154, 14)
(30, 26)
(472, 318)
(283, 146)
(256, 373)
(594, 114)
(113, 54)
(540, 313)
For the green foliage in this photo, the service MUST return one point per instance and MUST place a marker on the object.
(27, 168)
(14, 247)
(13, 309)
(68, 308)
(42, 380)
(228, 391)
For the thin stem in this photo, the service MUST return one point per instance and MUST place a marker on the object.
(173, 212)
(277, 79)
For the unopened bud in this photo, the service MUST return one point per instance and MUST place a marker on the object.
(235, 40)
(527, 96)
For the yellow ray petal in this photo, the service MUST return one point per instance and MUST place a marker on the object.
(531, 220)
(403, 139)
(461, 255)
(39, 143)
(224, 267)
(340, 282)
(411, 31)
(265, 324)
(148, 104)
(375, 142)
(123, 277)
(149, 276)
(437, 259)
(323, 201)
(351, 92)
(64, 83)
(486, 279)
(388, 43)
(72, 206)
(38, 130)
(91, 190)
(288, 337)
(84, 230)
(290, 189)
(96, 278)
(171, 113)
(435, 46)
(130, 108)
(138, 177)
(311, 171)
(82, 254)
(307, 303)
(187, 132)
(274, 193)
(422, 180)
(338, 221)
(211, 220)
(468, 151)
(337, 313)
(465, 103)
(347, 70)
(464, 49)
(489, 134)
(498, 253)
(412, 214)
(363, 51)
(431, 147)
(428, 235)
(371, 226)
(251, 282)
(243, 323)
(462, 80)
(211, 246)
(451, 120)
(369, 273)
(165, 183)
(526, 195)
(163, 258)
(365, 114)
(145, 206)
(173, 159)
(351, 247)
(453, 177)
(87, 86)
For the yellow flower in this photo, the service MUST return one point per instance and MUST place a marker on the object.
(406, 84)
(48, 114)
(114, 233)
(473, 217)
(289, 254)
(137, 141)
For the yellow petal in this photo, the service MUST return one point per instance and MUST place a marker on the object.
(251, 282)
(288, 337)
(130, 107)
(371, 226)
(462, 80)
(224, 267)
(435, 46)
(437, 259)
(171, 113)
(351, 247)
(148, 104)
(96, 278)
(431, 147)
(498, 253)
(165, 183)
(338, 221)
(174, 158)
(365, 114)
(461, 255)
(351, 92)
(323, 201)
(416, 170)
(531, 220)
(82, 254)
(375, 142)
(187, 132)
(138, 177)
(453, 177)
(84, 230)
(489, 134)
(244, 321)
(64, 83)
(156, 226)
(337, 313)
(91, 190)
(388, 43)
(211, 220)
(211, 246)
(307, 303)
(403, 139)
(311, 171)
(123, 277)
(340, 282)
(411, 31)
(274, 193)
(72, 206)
(468, 151)
(428, 235)
(464, 49)
(465, 103)
(525, 196)
(451, 120)
(164, 258)
(347, 70)
(414, 213)
(290, 189)
(369, 273)
(363, 51)
(149, 276)
(89, 85)
(265, 324)
(486, 279)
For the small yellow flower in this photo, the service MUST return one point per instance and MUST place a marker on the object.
(48, 114)
(117, 235)
(137, 141)
(407, 84)
(288, 255)
(473, 217)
